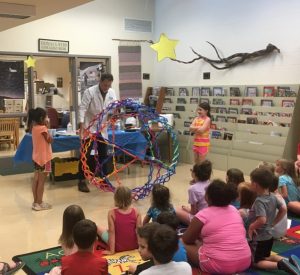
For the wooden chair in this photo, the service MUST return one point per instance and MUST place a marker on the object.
(9, 131)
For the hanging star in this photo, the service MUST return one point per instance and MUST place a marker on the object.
(30, 62)
(165, 48)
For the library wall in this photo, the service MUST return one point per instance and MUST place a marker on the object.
(249, 123)
(233, 26)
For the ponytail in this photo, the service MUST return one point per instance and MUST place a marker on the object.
(30, 120)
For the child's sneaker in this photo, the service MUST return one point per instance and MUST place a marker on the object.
(45, 206)
(42, 206)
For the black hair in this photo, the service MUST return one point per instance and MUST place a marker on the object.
(263, 177)
(203, 170)
(220, 194)
(72, 215)
(163, 244)
(205, 106)
(274, 186)
(161, 197)
(84, 233)
(106, 76)
(235, 176)
(147, 230)
(168, 218)
(37, 116)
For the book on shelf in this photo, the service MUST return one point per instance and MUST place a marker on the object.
(269, 91)
(196, 91)
(216, 134)
(234, 91)
(228, 136)
(183, 91)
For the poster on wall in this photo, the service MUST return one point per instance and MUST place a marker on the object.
(90, 74)
(12, 79)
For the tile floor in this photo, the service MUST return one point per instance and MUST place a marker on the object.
(23, 230)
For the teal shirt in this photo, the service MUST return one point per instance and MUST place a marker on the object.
(293, 191)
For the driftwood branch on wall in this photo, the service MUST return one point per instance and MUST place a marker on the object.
(221, 63)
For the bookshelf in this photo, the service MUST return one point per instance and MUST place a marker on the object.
(254, 123)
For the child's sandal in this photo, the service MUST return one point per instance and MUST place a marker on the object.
(7, 270)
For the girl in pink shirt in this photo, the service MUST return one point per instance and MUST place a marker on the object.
(123, 221)
(41, 156)
(224, 248)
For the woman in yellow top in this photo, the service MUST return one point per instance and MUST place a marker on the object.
(200, 127)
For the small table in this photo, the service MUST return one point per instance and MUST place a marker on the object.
(134, 142)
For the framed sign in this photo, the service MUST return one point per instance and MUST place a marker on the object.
(49, 45)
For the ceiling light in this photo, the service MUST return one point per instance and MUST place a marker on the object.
(17, 11)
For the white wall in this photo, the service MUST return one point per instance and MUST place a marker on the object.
(233, 26)
(90, 29)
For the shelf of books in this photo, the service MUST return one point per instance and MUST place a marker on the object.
(249, 123)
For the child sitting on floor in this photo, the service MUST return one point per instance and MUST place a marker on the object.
(201, 174)
(160, 203)
(71, 216)
(287, 185)
(123, 221)
(235, 176)
(246, 198)
(84, 261)
(144, 234)
(278, 230)
(163, 244)
(171, 220)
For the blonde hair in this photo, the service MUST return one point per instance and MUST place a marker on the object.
(122, 197)
(246, 194)
(267, 165)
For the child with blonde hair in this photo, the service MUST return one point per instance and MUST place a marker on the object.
(123, 221)
(287, 185)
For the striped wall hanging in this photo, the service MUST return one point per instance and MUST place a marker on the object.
(130, 79)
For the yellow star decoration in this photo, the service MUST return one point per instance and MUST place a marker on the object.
(165, 48)
(30, 62)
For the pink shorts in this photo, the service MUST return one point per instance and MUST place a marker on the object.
(203, 150)
(223, 267)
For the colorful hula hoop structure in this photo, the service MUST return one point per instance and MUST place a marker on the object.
(159, 171)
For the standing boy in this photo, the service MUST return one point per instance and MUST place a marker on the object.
(263, 217)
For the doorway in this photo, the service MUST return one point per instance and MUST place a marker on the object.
(57, 82)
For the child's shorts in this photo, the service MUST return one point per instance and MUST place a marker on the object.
(261, 249)
(201, 150)
(45, 168)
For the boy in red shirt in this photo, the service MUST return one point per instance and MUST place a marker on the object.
(84, 261)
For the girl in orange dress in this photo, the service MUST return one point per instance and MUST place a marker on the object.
(200, 127)
(41, 156)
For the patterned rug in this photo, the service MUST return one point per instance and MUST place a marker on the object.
(287, 246)
(40, 262)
